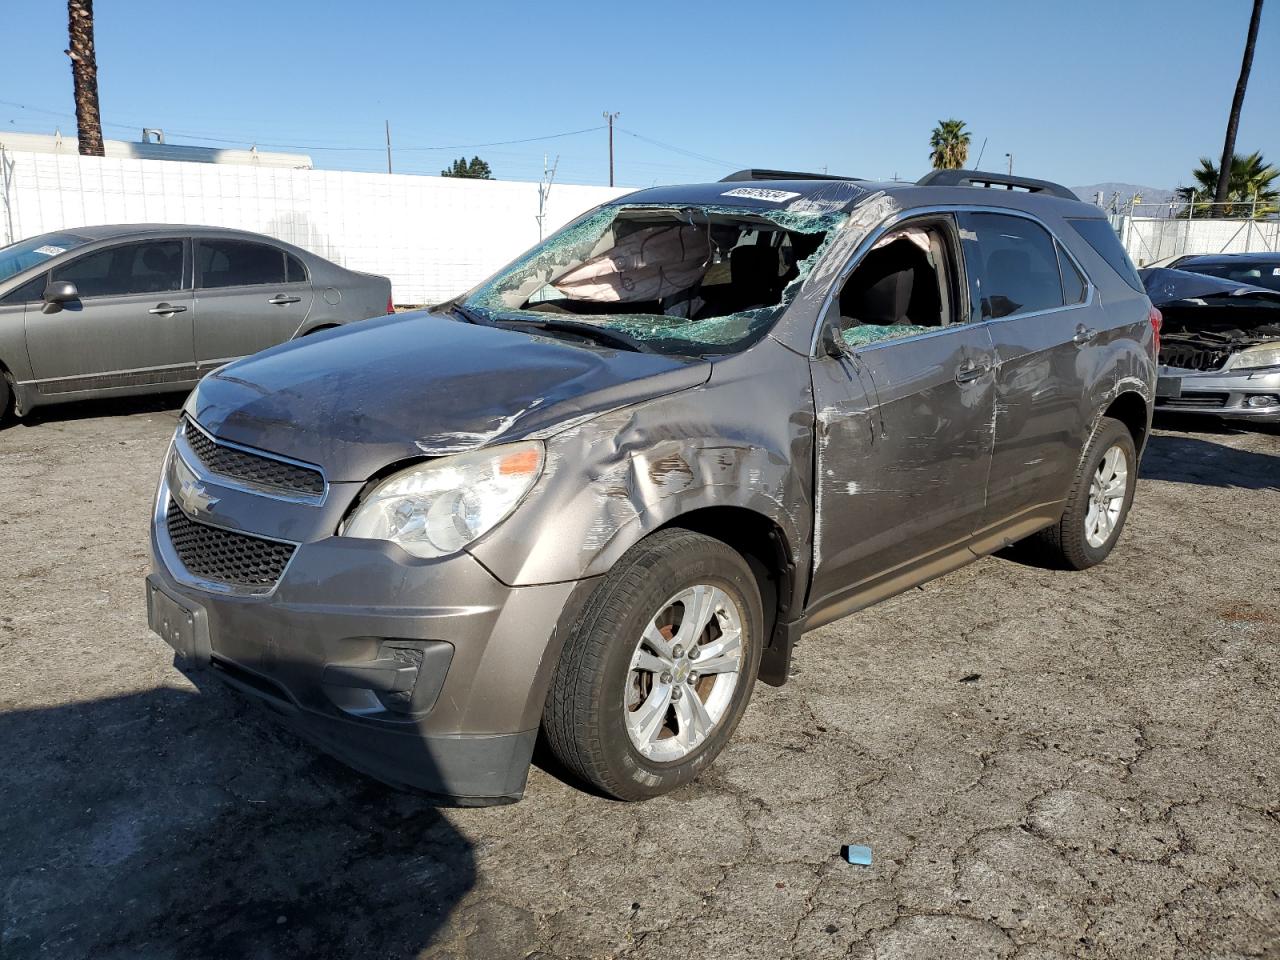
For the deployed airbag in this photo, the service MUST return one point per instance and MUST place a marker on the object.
(649, 264)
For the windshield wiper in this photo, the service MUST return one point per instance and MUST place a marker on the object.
(465, 312)
(590, 331)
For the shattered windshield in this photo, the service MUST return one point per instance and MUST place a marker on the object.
(689, 279)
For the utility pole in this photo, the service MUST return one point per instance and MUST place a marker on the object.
(610, 117)
(544, 190)
(1009, 157)
(388, 123)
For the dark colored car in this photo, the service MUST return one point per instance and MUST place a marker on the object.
(607, 490)
(1220, 348)
(1255, 269)
(111, 311)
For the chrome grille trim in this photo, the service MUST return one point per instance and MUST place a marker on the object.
(256, 471)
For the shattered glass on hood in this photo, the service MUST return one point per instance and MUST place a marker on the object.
(590, 240)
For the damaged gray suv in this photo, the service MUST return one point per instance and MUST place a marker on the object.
(605, 492)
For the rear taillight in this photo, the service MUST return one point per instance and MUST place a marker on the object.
(1157, 321)
(391, 307)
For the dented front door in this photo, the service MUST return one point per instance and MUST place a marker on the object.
(904, 433)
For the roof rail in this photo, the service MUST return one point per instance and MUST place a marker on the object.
(978, 178)
(744, 176)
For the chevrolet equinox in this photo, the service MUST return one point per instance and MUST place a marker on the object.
(604, 492)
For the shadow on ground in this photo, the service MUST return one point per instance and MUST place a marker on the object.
(105, 407)
(215, 834)
(1185, 459)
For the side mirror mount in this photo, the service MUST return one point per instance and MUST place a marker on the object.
(831, 343)
(61, 291)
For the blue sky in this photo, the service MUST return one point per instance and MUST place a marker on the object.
(1080, 92)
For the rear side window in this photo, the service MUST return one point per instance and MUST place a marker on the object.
(239, 263)
(296, 272)
(1099, 235)
(153, 266)
(1074, 287)
(1013, 265)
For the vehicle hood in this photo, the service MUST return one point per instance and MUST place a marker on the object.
(360, 397)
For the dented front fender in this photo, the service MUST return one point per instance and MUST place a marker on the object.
(744, 439)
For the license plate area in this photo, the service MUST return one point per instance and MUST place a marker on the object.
(1169, 388)
(182, 624)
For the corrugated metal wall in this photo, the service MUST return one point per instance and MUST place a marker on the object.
(433, 236)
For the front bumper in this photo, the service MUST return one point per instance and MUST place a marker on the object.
(1222, 394)
(425, 674)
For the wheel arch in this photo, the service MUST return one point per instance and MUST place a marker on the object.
(763, 543)
(1131, 409)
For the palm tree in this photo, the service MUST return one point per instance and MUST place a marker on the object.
(1249, 179)
(84, 74)
(1222, 187)
(950, 143)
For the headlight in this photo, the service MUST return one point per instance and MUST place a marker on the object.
(1262, 355)
(437, 508)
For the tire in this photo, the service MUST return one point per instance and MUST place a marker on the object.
(1077, 542)
(6, 401)
(606, 718)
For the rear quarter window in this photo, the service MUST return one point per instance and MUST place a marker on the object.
(1099, 235)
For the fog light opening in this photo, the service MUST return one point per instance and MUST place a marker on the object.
(1262, 400)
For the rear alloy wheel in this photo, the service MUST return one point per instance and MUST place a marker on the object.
(1098, 502)
(659, 667)
(1107, 491)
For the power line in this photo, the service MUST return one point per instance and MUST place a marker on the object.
(688, 153)
(318, 146)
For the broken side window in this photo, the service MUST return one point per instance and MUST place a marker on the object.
(902, 286)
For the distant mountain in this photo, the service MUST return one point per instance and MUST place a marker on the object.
(1126, 192)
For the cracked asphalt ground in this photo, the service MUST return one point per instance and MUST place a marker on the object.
(1046, 764)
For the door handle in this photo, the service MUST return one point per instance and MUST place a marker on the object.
(166, 309)
(970, 371)
(1084, 335)
(280, 299)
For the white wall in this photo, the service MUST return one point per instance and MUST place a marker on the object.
(433, 236)
(1148, 240)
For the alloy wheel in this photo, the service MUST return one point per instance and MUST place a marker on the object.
(684, 673)
(1107, 491)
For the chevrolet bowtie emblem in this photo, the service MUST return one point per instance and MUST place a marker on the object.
(191, 493)
(195, 497)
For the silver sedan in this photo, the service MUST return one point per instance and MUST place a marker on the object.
(115, 310)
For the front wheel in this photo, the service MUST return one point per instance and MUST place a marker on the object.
(1098, 503)
(659, 668)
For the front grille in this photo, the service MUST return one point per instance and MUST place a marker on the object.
(1187, 356)
(251, 468)
(224, 556)
(1200, 400)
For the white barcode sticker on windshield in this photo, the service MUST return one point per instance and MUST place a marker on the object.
(49, 250)
(761, 193)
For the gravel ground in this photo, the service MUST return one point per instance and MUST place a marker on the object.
(1046, 764)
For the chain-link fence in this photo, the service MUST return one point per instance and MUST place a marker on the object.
(1154, 233)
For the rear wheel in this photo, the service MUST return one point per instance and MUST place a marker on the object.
(659, 668)
(6, 400)
(1098, 503)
